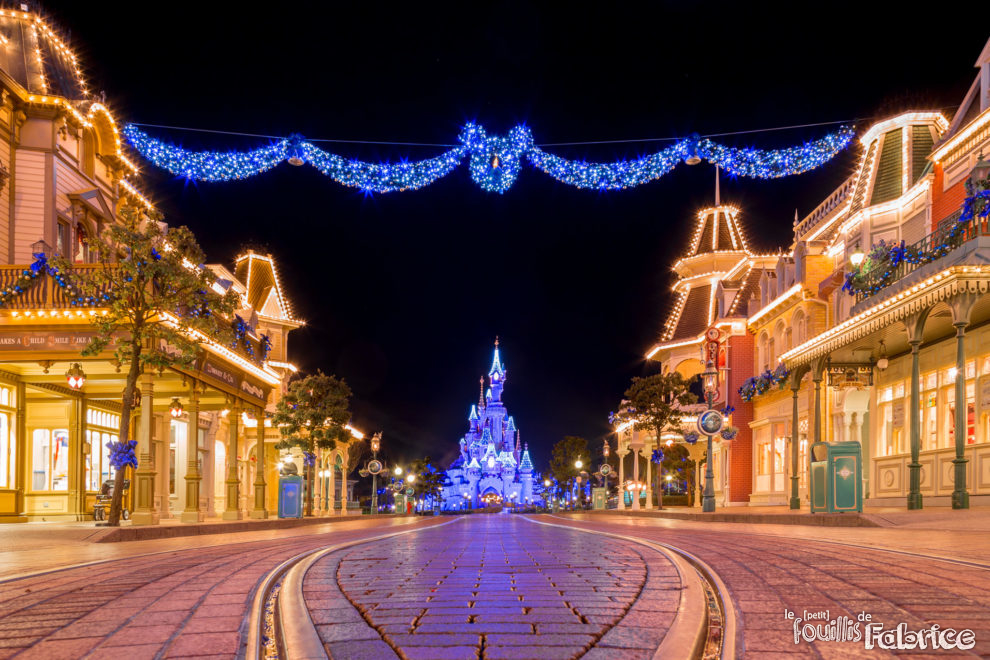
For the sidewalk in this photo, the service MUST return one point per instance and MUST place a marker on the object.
(39, 546)
(938, 518)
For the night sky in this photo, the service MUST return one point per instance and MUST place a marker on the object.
(404, 293)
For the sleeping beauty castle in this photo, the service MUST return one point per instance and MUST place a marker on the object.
(493, 466)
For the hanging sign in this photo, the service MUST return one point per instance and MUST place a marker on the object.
(850, 375)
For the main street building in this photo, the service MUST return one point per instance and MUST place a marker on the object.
(205, 446)
(872, 325)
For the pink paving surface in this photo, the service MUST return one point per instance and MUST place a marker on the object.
(493, 586)
(169, 604)
(766, 574)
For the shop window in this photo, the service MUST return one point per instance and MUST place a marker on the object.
(50, 460)
(7, 459)
(61, 238)
(763, 458)
(98, 467)
(970, 423)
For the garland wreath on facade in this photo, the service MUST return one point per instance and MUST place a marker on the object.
(879, 268)
(763, 383)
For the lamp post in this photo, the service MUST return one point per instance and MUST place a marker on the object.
(578, 464)
(710, 380)
(605, 452)
(376, 444)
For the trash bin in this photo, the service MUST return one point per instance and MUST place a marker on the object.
(598, 498)
(836, 477)
(290, 500)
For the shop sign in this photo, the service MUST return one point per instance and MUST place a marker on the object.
(46, 341)
(211, 369)
(985, 393)
(250, 388)
(897, 414)
(850, 375)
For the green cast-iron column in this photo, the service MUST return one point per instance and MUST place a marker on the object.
(960, 498)
(795, 441)
(914, 467)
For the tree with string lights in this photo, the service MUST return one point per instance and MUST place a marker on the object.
(153, 298)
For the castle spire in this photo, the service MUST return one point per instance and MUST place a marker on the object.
(497, 372)
(481, 392)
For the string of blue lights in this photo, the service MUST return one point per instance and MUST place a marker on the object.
(495, 161)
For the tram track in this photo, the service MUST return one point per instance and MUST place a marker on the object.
(711, 634)
(704, 627)
(279, 619)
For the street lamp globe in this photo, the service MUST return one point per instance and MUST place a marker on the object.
(579, 464)
(411, 478)
(546, 483)
(398, 471)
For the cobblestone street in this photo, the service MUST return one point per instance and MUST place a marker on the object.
(499, 586)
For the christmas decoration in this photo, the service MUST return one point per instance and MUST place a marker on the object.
(495, 161)
(763, 383)
(122, 454)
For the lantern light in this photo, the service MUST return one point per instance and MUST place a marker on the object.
(75, 376)
(398, 471)
(882, 361)
(710, 378)
(175, 410)
(605, 449)
(579, 464)
(857, 257)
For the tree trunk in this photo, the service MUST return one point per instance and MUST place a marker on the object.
(133, 371)
(311, 481)
(659, 487)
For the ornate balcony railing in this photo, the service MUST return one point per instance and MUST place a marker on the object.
(31, 288)
(897, 261)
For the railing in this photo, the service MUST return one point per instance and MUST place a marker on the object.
(44, 293)
(889, 269)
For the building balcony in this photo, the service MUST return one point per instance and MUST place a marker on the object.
(950, 245)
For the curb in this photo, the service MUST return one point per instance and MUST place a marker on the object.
(297, 629)
(154, 532)
(807, 519)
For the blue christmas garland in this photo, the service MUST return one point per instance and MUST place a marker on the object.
(495, 161)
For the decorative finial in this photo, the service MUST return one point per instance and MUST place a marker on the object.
(496, 341)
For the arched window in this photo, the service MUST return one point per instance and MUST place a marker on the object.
(779, 345)
(763, 351)
(799, 323)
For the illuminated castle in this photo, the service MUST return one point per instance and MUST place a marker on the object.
(493, 466)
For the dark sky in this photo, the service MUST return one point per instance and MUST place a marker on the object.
(404, 293)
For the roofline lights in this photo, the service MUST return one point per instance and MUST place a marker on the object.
(956, 140)
(900, 121)
(773, 304)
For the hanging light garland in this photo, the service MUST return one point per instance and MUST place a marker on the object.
(495, 161)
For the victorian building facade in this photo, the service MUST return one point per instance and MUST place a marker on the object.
(871, 326)
(204, 446)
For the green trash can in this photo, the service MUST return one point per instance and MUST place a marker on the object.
(836, 477)
(290, 497)
(598, 498)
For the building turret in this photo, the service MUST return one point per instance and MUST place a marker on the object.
(496, 375)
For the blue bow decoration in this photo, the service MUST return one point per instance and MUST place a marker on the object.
(122, 454)
(496, 161)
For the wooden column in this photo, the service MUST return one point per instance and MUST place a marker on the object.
(192, 513)
(145, 511)
(233, 511)
(260, 510)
